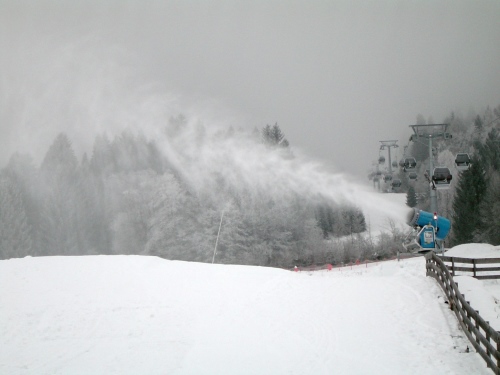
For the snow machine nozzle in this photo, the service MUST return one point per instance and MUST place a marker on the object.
(420, 218)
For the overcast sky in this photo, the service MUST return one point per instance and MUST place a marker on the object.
(337, 76)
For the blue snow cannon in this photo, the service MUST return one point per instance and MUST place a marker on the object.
(427, 237)
(423, 218)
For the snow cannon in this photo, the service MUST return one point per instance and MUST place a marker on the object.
(422, 218)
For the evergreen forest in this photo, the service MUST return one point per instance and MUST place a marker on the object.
(188, 194)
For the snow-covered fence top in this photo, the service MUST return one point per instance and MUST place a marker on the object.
(483, 337)
(476, 266)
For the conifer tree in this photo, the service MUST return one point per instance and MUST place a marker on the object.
(325, 218)
(490, 209)
(15, 232)
(25, 177)
(478, 127)
(101, 161)
(166, 223)
(273, 136)
(411, 197)
(469, 194)
(489, 151)
(59, 172)
(353, 220)
(93, 226)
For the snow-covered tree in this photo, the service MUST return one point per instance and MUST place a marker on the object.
(411, 197)
(101, 161)
(59, 174)
(129, 197)
(168, 229)
(15, 231)
(25, 176)
(274, 137)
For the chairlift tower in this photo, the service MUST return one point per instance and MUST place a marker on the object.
(388, 145)
(430, 132)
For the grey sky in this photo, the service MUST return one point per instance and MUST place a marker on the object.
(337, 76)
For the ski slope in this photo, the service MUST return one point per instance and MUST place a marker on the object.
(146, 315)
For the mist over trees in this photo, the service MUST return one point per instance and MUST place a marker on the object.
(135, 195)
(172, 196)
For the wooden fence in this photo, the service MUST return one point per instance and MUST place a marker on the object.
(482, 336)
(475, 266)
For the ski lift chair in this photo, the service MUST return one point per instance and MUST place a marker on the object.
(462, 162)
(394, 164)
(412, 175)
(410, 164)
(387, 178)
(396, 183)
(441, 178)
(381, 160)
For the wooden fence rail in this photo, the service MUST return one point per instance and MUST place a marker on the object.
(475, 268)
(482, 336)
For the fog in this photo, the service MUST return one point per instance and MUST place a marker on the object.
(336, 76)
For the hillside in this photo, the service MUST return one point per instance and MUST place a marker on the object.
(146, 315)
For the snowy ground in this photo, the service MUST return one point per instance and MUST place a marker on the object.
(145, 315)
(483, 295)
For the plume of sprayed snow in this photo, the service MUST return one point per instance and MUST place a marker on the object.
(202, 153)
(82, 90)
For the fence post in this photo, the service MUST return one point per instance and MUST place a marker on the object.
(477, 327)
(446, 287)
(498, 348)
(453, 297)
(462, 306)
(488, 339)
(474, 328)
(468, 316)
(452, 266)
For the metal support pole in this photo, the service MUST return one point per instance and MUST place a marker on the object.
(389, 145)
(218, 233)
(432, 191)
(430, 131)
(390, 163)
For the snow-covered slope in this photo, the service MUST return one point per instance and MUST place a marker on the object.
(145, 315)
(474, 250)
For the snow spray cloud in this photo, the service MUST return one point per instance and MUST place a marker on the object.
(203, 153)
(85, 90)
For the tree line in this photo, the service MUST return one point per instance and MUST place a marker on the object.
(133, 196)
